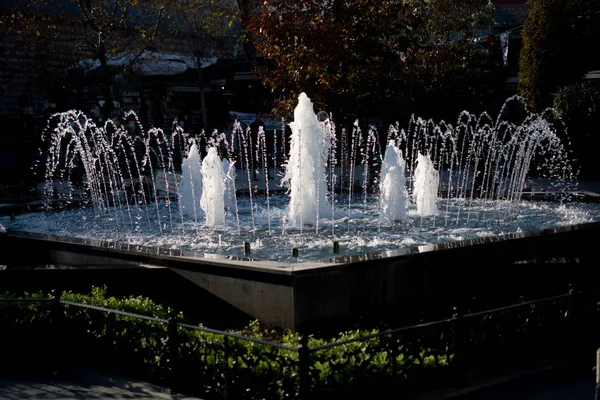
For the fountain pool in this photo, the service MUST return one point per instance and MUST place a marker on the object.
(359, 234)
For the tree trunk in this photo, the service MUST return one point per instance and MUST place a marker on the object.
(105, 81)
(202, 98)
(245, 8)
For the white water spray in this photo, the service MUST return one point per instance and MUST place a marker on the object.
(426, 186)
(213, 190)
(190, 188)
(393, 185)
(305, 172)
(121, 180)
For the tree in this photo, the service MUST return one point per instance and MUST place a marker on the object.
(362, 57)
(24, 53)
(555, 52)
(204, 24)
(579, 108)
(93, 29)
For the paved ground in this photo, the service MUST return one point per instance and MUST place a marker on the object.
(552, 385)
(74, 384)
(560, 383)
(557, 381)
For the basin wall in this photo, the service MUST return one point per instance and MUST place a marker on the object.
(418, 283)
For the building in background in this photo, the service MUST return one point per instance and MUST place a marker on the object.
(161, 86)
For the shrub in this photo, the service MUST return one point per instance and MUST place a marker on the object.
(579, 100)
(579, 107)
(137, 339)
(548, 40)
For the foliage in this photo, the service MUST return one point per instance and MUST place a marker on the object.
(236, 366)
(115, 34)
(204, 24)
(367, 56)
(555, 49)
(201, 21)
(23, 52)
(579, 107)
(66, 33)
(98, 29)
(580, 100)
(210, 364)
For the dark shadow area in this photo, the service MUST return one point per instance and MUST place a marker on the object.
(161, 285)
(569, 381)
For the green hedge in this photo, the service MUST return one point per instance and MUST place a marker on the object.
(211, 366)
(579, 106)
(553, 53)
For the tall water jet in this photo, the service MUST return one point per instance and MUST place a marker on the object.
(305, 172)
(190, 188)
(393, 192)
(212, 201)
(425, 190)
(230, 176)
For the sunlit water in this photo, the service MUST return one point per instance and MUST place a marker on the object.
(364, 232)
(437, 182)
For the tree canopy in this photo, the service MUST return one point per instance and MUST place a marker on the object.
(110, 36)
(363, 57)
(556, 47)
(96, 29)
(204, 24)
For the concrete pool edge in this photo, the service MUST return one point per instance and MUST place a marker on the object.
(302, 294)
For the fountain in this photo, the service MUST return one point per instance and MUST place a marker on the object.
(436, 186)
(437, 183)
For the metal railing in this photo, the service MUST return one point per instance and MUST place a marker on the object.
(451, 344)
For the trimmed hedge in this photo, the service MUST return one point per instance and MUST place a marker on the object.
(242, 365)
